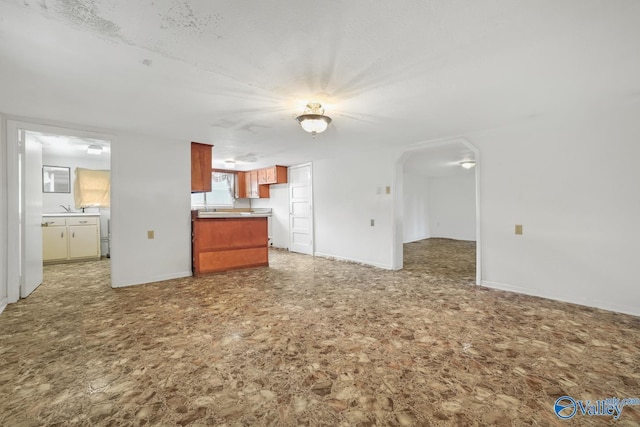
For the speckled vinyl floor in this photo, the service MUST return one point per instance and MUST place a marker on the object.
(309, 341)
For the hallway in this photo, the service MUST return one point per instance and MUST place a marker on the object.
(308, 341)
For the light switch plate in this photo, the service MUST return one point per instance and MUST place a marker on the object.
(388, 190)
(150, 234)
(518, 229)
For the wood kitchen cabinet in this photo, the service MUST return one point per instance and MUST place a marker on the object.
(247, 186)
(71, 238)
(221, 244)
(254, 184)
(241, 189)
(272, 175)
(200, 167)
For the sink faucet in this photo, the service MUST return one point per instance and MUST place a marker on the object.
(66, 208)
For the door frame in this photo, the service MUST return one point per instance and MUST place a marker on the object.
(398, 256)
(13, 189)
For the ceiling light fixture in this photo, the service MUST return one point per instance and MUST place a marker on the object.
(94, 149)
(229, 164)
(468, 164)
(313, 119)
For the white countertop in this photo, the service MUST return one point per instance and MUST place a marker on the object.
(232, 213)
(203, 214)
(72, 214)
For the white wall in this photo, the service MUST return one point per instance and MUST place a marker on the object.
(574, 186)
(3, 216)
(279, 221)
(151, 188)
(345, 200)
(416, 208)
(51, 201)
(443, 206)
(452, 206)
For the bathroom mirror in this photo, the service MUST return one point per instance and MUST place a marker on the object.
(56, 179)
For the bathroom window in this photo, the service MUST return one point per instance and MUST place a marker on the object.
(221, 194)
(92, 188)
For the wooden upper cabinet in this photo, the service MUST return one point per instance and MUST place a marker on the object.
(241, 186)
(247, 186)
(200, 167)
(254, 184)
(272, 175)
(263, 177)
(257, 191)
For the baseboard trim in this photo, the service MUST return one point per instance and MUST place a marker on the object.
(3, 304)
(603, 305)
(355, 261)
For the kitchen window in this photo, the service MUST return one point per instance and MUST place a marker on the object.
(221, 194)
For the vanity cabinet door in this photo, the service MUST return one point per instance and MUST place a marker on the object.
(54, 243)
(84, 241)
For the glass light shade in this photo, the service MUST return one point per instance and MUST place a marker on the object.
(314, 123)
(94, 149)
(229, 164)
(313, 119)
(468, 164)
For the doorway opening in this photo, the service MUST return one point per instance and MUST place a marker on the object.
(50, 219)
(438, 205)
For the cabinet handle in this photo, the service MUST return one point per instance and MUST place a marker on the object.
(73, 235)
(62, 235)
(83, 222)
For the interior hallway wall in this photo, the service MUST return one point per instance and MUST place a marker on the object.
(452, 206)
(573, 184)
(346, 200)
(151, 190)
(416, 208)
(443, 206)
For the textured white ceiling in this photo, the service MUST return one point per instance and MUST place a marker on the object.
(440, 160)
(69, 146)
(234, 74)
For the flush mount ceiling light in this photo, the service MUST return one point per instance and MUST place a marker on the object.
(468, 164)
(229, 164)
(94, 149)
(313, 119)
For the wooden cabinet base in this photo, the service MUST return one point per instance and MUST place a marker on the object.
(221, 244)
(210, 262)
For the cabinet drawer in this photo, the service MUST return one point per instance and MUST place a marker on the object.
(82, 220)
(53, 221)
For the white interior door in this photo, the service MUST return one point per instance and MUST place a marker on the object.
(301, 209)
(31, 214)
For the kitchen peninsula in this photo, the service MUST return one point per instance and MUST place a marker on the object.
(229, 239)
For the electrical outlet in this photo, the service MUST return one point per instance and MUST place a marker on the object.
(150, 234)
(518, 229)
(373, 222)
